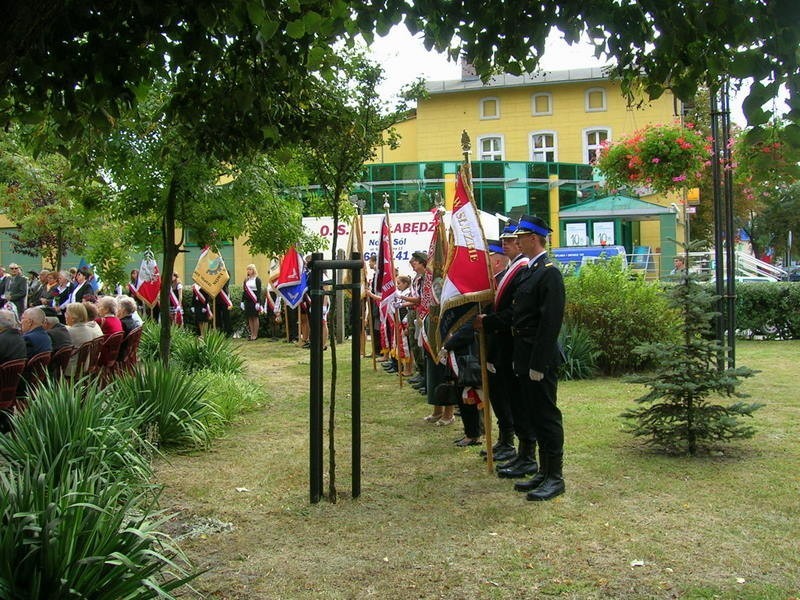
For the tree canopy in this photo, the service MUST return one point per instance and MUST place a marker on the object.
(83, 62)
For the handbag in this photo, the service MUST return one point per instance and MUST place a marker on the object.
(469, 371)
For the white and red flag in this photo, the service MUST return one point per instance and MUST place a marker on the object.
(468, 277)
(148, 286)
(385, 284)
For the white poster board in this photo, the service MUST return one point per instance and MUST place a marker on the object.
(576, 234)
(603, 234)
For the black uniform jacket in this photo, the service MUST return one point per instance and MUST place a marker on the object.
(538, 311)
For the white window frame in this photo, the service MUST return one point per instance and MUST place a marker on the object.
(482, 103)
(589, 92)
(549, 96)
(533, 149)
(497, 136)
(587, 146)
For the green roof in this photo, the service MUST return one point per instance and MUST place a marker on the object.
(613, 206)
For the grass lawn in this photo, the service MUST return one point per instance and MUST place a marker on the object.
(431, 523)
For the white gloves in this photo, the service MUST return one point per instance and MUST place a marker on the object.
(241, 305)
(490, 368)
(442, 357)
(535, 375)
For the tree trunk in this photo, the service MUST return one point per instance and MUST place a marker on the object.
(168, 266)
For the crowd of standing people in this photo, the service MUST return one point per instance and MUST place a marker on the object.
(521, 328)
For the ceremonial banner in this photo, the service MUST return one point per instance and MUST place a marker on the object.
(428, 309)
(386, 284)
(148, 286)
(211, 274)
(467, 274)
(292, 279)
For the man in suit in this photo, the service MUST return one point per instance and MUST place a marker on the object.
(16, 290)
(12, 346)
(538, 311)
(36, 338)
(59, 334)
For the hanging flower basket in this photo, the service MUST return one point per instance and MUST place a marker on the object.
(662, 157)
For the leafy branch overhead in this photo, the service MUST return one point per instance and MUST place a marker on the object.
(83, 65)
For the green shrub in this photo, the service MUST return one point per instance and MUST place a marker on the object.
(230, 395)
(169, 404)
(580, 352)
(213, 351)
(771, 310)
(72, 427)
(619, 311)
(149, 343)
(73, 535)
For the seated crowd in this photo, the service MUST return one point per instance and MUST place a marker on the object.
(48, 328)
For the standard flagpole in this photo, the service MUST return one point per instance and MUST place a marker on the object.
(466, 146)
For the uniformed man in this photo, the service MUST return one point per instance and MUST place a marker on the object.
(538, 311)
(512, 416)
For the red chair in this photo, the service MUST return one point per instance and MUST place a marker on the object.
(33, 375)
(60, 360)
(128, 355)
(10, 375)
(87, 357)
(109, 354)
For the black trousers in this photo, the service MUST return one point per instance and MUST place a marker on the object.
(539, 398)
(501, 387)
(470, 417)
(520, 409)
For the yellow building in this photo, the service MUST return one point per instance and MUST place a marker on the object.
(534, 138)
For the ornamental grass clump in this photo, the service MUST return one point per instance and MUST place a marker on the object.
(213, 352)
(169, 404)
(230, 395)
(72, 428)
(660, 157)
(75, 534)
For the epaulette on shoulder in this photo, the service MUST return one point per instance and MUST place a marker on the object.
(548, 264)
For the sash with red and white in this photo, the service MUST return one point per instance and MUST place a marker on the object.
(177, 313)
(469, 395)
(253, 298)
(508, 277)
(198, 294)
(225, 299)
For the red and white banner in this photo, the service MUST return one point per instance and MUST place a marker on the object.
(467, 274)
(386, 283)
(148, 286)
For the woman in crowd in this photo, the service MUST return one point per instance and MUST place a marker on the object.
(176, 300)
(126, 312)
(201, 308)
(107, 316)
(80, 330)
(251, 300)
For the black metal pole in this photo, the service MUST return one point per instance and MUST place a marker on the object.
(730, 246)
(719, 226)
(355, 330)
(315, 409)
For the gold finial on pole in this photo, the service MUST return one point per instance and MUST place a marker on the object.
(466, 145)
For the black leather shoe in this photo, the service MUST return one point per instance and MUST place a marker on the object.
(507, 464)
(416, 379)
(530, 484)
(551, 487)
(522, 469)
(423, 391)
(505, 454)
(391, 370)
